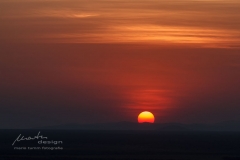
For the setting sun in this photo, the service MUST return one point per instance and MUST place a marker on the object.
(146, 117)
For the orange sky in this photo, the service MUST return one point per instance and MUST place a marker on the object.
(207, 23)
(76, 61)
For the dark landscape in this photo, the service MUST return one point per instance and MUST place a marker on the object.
(169, 143)
(221, 126)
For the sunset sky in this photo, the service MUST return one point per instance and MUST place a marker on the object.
(82, 61)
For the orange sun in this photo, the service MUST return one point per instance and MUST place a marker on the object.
(145, 117)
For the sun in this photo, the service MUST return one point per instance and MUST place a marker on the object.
(146, 116)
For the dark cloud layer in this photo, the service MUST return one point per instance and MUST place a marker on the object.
(49, 84)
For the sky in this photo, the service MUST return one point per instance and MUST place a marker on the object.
(98, 61)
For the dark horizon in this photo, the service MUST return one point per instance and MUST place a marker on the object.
(230, 126)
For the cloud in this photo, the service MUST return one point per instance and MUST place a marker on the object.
(206, 23)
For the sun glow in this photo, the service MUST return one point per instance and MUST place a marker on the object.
(146, 117)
